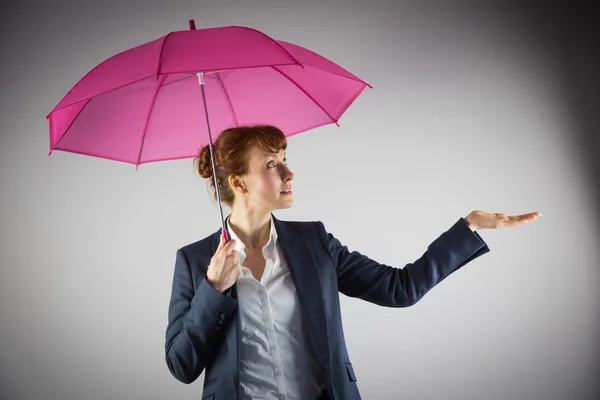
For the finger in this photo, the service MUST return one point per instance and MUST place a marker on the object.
(515, 220)
(230, 246)
(232, 258)
(221, 243)
(529, 217)
(512, 221)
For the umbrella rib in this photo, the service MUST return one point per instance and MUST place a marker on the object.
(148, 118)
(228, 99)
(180, 79)
(306, 93)
(186, 77)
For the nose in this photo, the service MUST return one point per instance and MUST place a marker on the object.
(288, 175)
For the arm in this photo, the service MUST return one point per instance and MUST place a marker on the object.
(362, 277)
(193, 328)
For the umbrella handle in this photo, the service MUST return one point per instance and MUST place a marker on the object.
(225, 236)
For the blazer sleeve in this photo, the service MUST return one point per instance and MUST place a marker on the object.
(361, 277)
(194, 321)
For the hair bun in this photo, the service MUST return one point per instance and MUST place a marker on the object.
(204, 166)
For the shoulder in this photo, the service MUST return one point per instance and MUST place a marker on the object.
(306, 229)
(302, 225)
(201, 246)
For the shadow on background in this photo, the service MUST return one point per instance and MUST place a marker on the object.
(569, 32)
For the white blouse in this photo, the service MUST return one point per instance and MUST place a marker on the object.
(277, 360)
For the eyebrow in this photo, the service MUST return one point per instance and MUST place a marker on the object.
(266, 153)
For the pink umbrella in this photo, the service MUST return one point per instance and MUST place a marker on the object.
(162, 100)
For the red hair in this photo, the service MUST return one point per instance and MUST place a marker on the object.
(231, 149)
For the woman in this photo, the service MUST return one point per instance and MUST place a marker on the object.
(260, 313)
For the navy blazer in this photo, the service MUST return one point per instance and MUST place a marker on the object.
(203, 324)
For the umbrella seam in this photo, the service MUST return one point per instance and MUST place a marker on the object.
(160, 54)
(154, 75)
(353, 99)
(104, 92)
(70, 125)
(73, 88)
(277, 43)
(352, 78)
(306, 93)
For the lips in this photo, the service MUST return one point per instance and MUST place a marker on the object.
(287, 189)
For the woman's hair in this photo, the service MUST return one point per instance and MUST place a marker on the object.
(231, 150)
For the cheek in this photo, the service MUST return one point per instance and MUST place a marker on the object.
(267, 184)
(271, 182)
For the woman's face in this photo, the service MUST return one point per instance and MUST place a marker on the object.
(267, 177)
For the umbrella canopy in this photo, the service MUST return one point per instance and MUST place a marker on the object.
(146, 104)
(161, 100)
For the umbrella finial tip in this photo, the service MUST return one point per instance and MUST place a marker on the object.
(192, 25)
(50, 152)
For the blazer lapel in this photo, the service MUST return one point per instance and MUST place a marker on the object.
(303, 268)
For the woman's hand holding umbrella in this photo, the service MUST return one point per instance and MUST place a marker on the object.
(224, 268)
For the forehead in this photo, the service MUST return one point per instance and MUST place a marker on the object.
(260, 153)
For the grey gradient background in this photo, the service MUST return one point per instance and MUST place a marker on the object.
(476, 105)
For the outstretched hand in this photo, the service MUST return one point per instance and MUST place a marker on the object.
(479, 219)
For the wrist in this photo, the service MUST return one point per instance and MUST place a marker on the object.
(214, 285)
(470, 224)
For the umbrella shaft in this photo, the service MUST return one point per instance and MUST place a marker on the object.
(212, 157)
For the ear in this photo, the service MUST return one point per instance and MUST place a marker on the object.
(237, 184)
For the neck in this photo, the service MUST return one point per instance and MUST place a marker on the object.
(253, 229)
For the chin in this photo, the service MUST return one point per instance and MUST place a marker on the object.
(283, 207)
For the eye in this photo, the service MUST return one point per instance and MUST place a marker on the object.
(270, 162)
